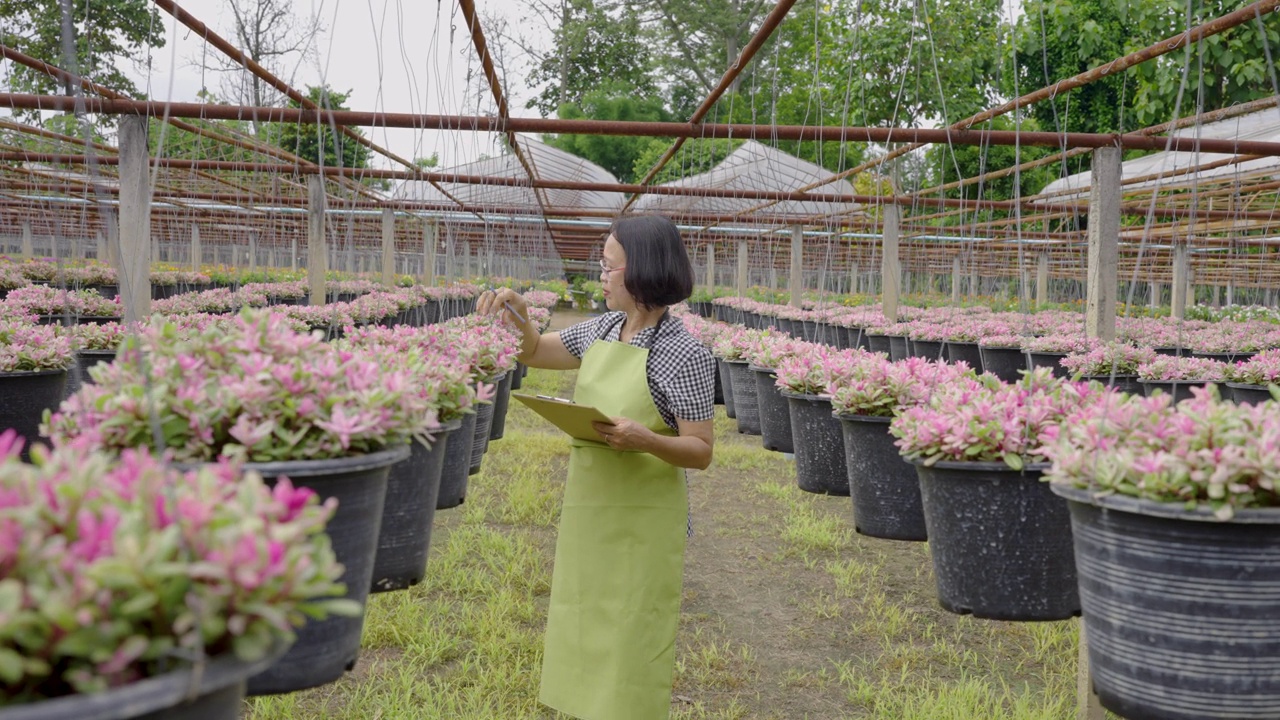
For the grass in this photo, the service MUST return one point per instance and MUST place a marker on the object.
(788, 614)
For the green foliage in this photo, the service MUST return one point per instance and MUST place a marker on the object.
(694, 157)
(618, 155)
(105, 34)
(597, 43)
(319, 143)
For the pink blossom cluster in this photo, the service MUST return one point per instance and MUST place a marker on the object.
(735, 342)
(179, 277)
(705, 330)
(110, 567)
(92, 273)
(353, 287)
(1116, 358)
(25, 347)
(45, 300)
(289, 289)
(1003, 340)
(983, 419)
(11, 277)
(540, 317)
(771, 349)
(1229, 337)
(95, 336)
(217, 300)
(541, 298)
(1261, 369)
(814, 369)
(1070, 344)
(40, 269)
(880, 388)
(1167, 368)
(255, 390)
(1201, 452)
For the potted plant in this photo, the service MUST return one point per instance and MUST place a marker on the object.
(1176, 375)
(1250, 380)
(1049, 350)
(805, 379)
(1177, 533)
(34, 360)
(763, 357)
(1114, 364)
(287, 403)
(146, 592)
(884, 489)
(1003, 356)
(1000, 540)
(64, 307)
(93, 344)
(11, 279)
(731, 349)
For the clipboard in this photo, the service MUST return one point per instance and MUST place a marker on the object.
(567, 415)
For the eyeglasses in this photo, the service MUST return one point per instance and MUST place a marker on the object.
(606, 270)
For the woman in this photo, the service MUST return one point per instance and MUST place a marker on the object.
(615, 590)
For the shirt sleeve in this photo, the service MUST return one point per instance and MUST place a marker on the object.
(691, 390)
(577, 338)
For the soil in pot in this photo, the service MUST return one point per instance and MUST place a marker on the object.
(1000, 541)
(24, 396)
(883, 486)
(327, 648)
(775, 415)
(1006, 363)
(1180, 609)
(457, 465)
(726, 380)
(746, 404)
(413, 489)
(819, 445)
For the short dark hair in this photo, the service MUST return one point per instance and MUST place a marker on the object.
(658, 271)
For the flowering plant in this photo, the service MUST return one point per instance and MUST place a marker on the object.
(771, 350)
(877, 387)
(177, 277)
(1007, 340)
(92, 274)
(983, 419)
(31, 348)
(11, 278)
(541, 298)
(816, 369)
(93, 336)
(1069, 344)
(45, 300)
(1261, 369)
(118, 569)
(255, 390)
(1200, 452)
(1113, 358)
(1166, 368)
(734, 344)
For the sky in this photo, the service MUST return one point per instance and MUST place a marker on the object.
(392, 55)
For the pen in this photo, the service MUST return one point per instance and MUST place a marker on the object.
(509, 308)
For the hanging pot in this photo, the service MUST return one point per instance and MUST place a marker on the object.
(1049, 360)
(1245, 394)
(78, 375)
(1006, 363)
(819, 445)
(413, 490)
(775, 415)
(899, 348)
(1179, 389)
(1227, 357)
(457, 465)
(501, 401)
(213, 691)
(726, 380)
(1173, 351)
(745, 402)
(24, 396)
(327, 648)
(877, 343)
(884, 487)
(1179, 608)
(1000, 541)
(1123, 383)
(928, 349)
(480, 439)
(517, 377)
(965, 352)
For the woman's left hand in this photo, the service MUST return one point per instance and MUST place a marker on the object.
(624, 434)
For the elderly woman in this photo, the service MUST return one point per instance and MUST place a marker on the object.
(615, 589)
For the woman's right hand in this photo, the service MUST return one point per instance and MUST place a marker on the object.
(506, 302)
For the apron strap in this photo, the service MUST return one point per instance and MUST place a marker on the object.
(666, 315)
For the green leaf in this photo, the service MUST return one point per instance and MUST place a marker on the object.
(11, 665)
(1013, 460)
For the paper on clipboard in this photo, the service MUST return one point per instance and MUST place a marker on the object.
(567, 415)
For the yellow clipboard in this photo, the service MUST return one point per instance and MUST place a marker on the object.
(567, 415)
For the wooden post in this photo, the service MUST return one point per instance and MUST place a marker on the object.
(744, 268)
(430, 235)
(890, 269)
(1042, 280)
(28, 245)
(795, 283)
(955, 281)
(711, 266)
(1104, 235)
(134, 267)
(388, 246)
(1178, 305)
(317, 243)
(196, 251)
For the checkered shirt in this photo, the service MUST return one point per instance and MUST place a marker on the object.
(681, 371)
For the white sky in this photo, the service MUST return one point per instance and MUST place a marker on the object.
(393, 55)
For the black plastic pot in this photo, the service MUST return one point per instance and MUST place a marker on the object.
(1179, 389)
(719, 391)
(1049, 360)
(457, 465)
(1006, 363)
(109, 292)
(899, 348)
(928, 349)
(1000, 541)
(501, 401)
(819, 445)
(215, 691)
(745, 403)
(480, 440)
(965, 352)
(78, 375)
(775, 415)
(327, 648)
(1249, 394)
(517, 377)
(24, 396)
(878, 343)
(726, 379)
(413, 489)
(1230, 357)
(845, 337)
(809, 328)
(1180, 609)
(1172, 351)
(1124, 383)
(884, 487)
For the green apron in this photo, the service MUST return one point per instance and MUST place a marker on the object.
(615, 588)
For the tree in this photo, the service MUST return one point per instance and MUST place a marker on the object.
(105, 34)
(950, 163)
(320, 143)
(615, 154)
